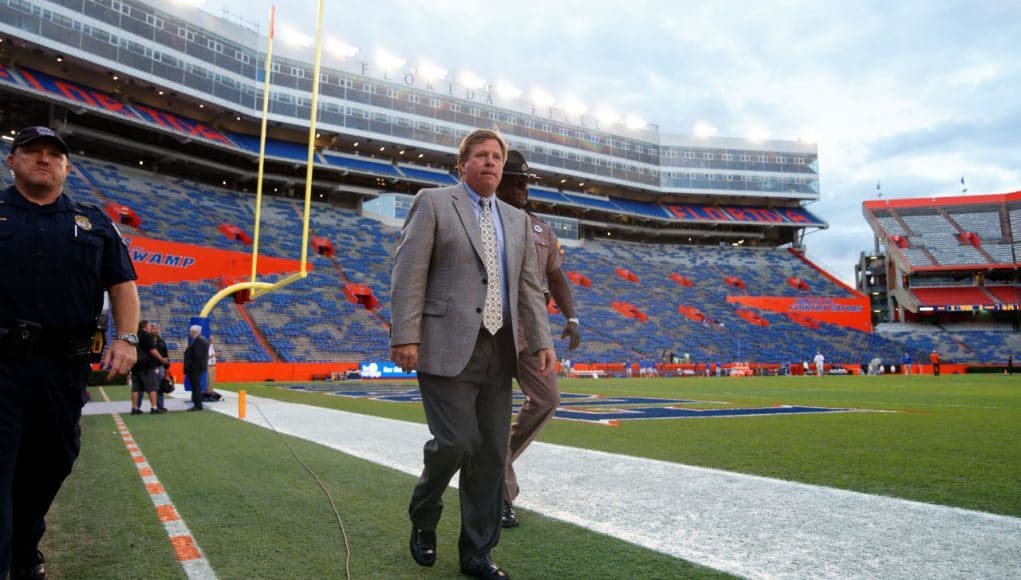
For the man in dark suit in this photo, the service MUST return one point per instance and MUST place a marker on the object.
(464, 278)
(196, 360)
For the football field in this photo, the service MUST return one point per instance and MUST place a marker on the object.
(255, 511)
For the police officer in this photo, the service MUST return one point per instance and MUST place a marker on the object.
(58, 258)
(542, 394)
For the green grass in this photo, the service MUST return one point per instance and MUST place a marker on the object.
(256, 513)
(953, 440)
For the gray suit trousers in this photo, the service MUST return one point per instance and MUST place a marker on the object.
(469, 418)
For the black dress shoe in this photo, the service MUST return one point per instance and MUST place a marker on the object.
(509, 519)
(423, 546)
(486, 569)
(194, 408)
(33, 568)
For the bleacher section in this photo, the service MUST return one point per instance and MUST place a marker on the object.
(957, 233)
(311, 320)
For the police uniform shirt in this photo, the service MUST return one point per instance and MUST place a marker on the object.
(56, 260)
(547, 253)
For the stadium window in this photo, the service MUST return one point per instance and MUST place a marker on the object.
(494, 116)
(62, 20)
(763, 159)
(474, 111)
(413, 98)
(781, 160)
(391, 93)
(154, 21)
(100, 34)
(214, 46)
(435, 103)
(190, 36)
(276, 67)
(347, 83)
(563, 132)
(511, 119)
(799, 160)
(690, 155)
(456, 108)
(707, 156)
(529, 124)
(547, 128)
(371, 89)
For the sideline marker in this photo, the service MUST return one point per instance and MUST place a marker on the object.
(242, 404)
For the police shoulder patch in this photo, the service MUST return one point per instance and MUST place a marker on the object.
(537, 228)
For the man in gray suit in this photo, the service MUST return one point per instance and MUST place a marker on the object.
(464, 276)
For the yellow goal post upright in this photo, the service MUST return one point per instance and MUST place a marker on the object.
(259, 288)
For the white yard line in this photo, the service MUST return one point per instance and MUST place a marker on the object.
(745, 525)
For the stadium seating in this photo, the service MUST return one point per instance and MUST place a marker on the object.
(312, 319)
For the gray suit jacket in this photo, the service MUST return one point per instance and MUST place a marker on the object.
(437, 290)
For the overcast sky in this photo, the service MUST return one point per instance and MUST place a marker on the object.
(913, 95)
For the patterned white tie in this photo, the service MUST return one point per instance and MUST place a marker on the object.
(492, 313)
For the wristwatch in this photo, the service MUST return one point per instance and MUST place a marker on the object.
(128, 337)
(574, 320)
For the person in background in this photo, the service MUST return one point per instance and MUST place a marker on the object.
(542, 393)
(58, 258)
(934, 360)
(820, 363)
(144, 375)
(196, 361)
(161, 370)
(211, 395)
(905, 363)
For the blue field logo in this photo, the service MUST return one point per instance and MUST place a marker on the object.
(612, 410)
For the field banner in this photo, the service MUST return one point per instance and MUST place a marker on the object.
(161, 261)
(379, 369)
(846, 312)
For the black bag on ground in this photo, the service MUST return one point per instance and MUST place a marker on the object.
(167, 383)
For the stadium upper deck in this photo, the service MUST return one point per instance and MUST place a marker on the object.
(944, 254)
(146, 53)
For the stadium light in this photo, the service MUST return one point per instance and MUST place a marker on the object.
(430, 71)
(808, 137)
(470, 80)
(757, 134)
(542, 98)
(704, 130)
(294, 37)
(339, 48)
(388, 61)
(506, 90)
(607, 116)
(573, 106)
(634, 122)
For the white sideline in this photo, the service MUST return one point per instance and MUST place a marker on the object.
(745, 525)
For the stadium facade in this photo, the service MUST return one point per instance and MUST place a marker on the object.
(631, 183)
(684, 245)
